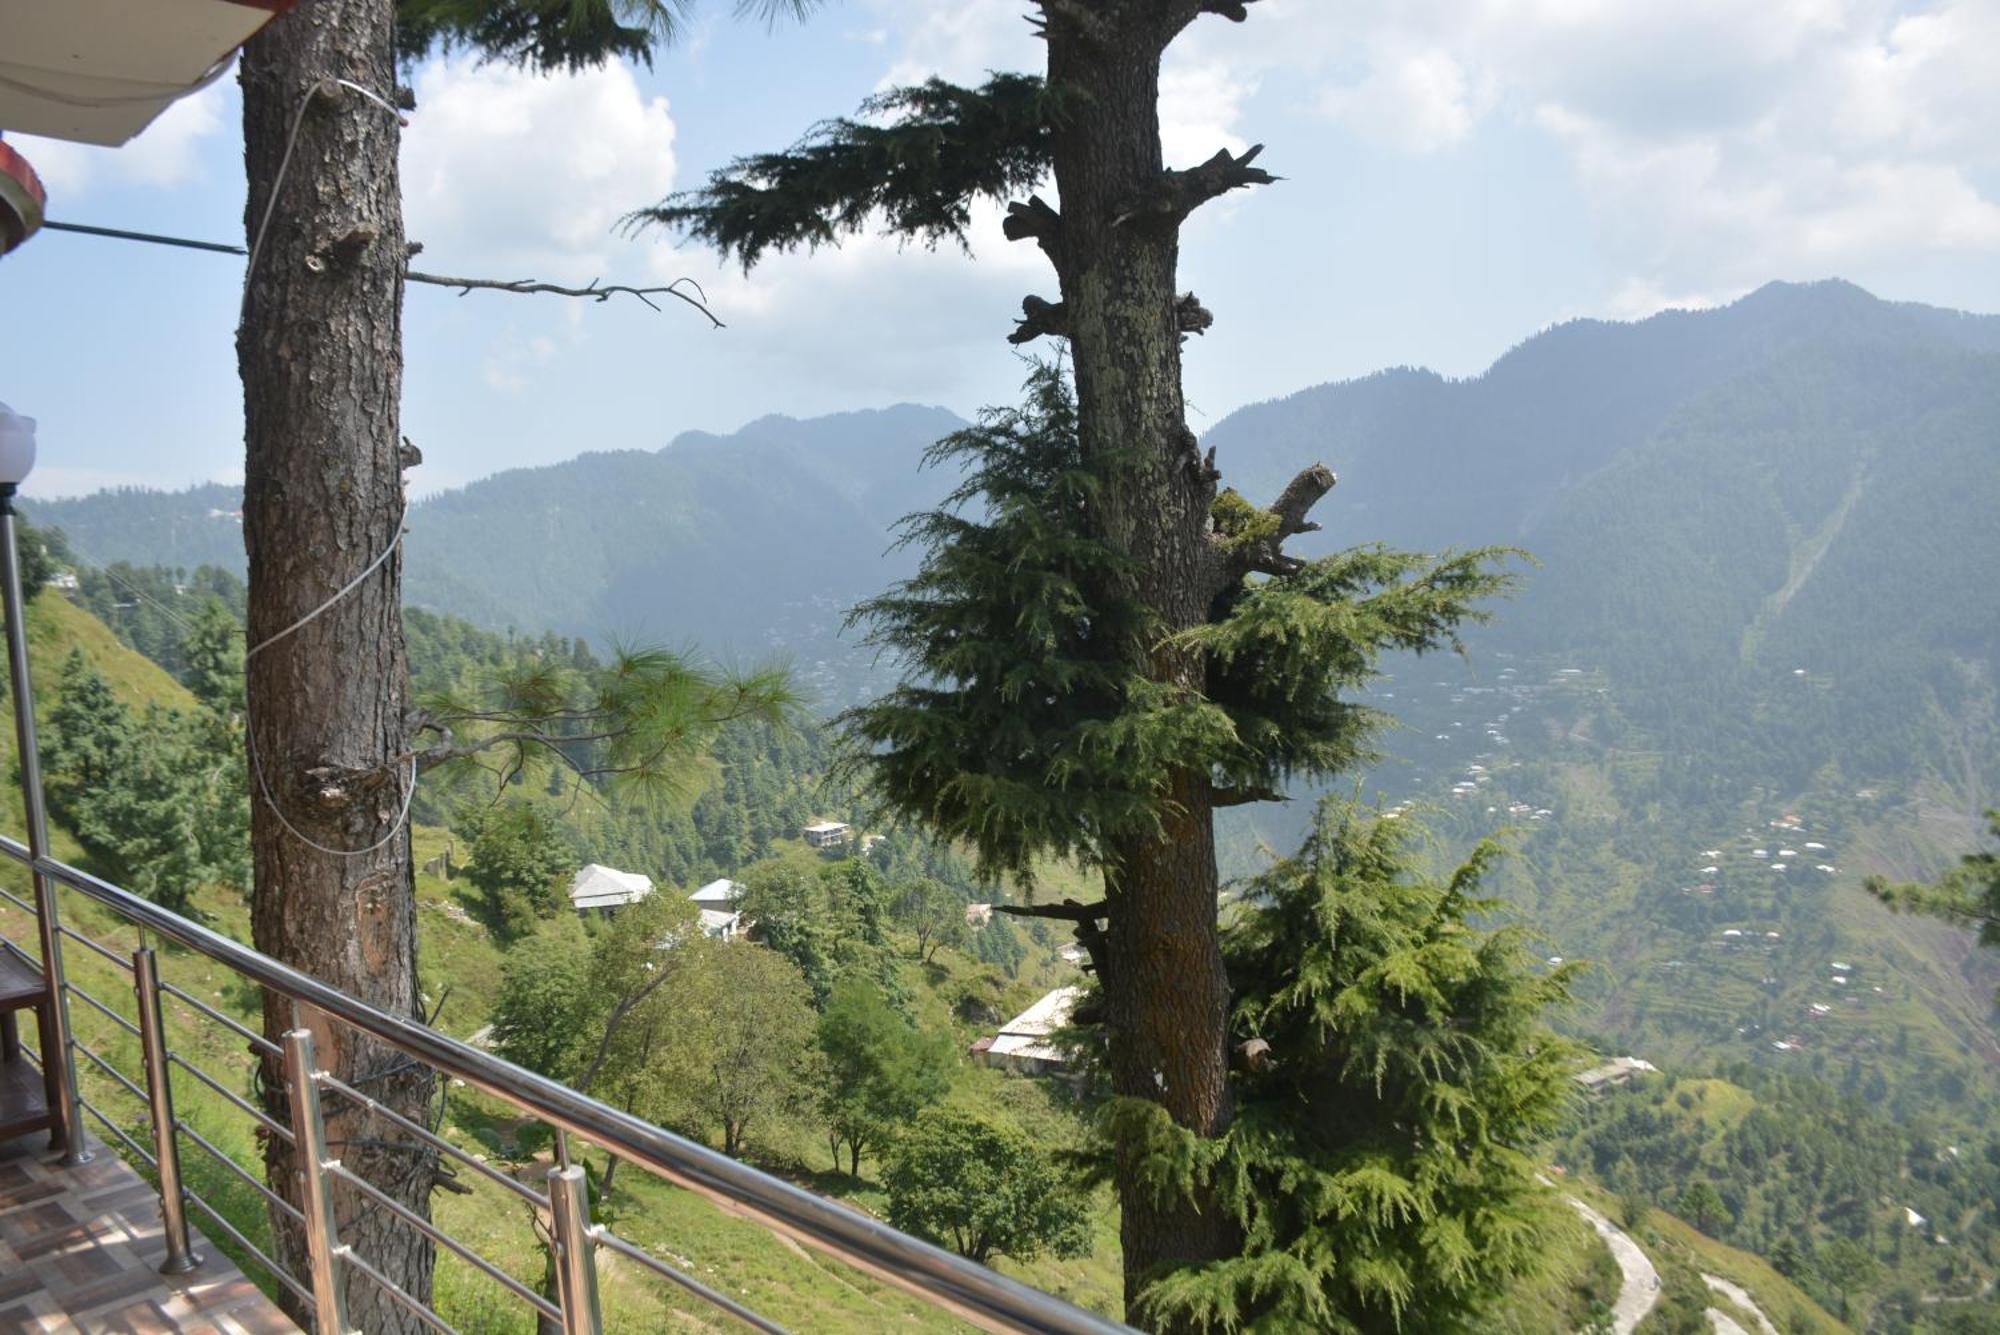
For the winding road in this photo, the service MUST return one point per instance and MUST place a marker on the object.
(1640, 1290)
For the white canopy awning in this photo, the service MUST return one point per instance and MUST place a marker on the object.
(99, 71)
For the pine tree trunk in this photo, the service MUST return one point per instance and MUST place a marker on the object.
(1167, 994)
(320, 352)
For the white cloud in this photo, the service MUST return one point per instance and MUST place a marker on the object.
(166, 154)
(1418, 100)
(1717, 143)
(513, 174)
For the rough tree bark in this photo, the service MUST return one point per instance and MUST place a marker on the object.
(320, 353)
(1115, 247)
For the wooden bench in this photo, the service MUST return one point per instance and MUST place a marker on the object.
(29, 1101)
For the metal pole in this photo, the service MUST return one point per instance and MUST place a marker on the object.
(309, 1162)
(76, 1147)
(576, 1261)
(160, 1090)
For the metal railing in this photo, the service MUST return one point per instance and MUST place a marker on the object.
(967, 1290)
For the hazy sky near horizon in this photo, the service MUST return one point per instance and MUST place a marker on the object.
(1459, 174)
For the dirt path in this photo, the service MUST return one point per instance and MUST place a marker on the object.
(1722, 1322)
(1641, 1289)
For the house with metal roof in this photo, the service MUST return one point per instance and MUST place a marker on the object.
(602, 889)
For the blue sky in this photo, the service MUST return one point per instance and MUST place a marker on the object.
(1459, 174)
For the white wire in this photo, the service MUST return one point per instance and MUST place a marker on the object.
(249, 271)
(284, 165)
(250, 731)
(343, 591)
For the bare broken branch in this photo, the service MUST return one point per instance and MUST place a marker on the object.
(595, 291)
(1173, 195)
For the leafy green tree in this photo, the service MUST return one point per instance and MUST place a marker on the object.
(521, 858)
(976, 1183)
(917, 159)
(1397, 1076)
(87, 732)
(880, 1070)
(542, 1015)
(831, 922)
(1846, 1267)
(1701, 1205)
(1024, 730)
(931, 912)
(44, 552)
(739, 1053)
(596, 1011)
(214, 652)
(168, 823)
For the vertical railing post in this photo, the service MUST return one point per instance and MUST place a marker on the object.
(76, 1148)
(576, 1251)
(160, 1093)
(309, 1162)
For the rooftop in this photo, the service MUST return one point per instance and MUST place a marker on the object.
(598, 886)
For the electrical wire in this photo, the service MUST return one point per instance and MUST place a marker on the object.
(250, 731)
(285, 163)
(249, 272)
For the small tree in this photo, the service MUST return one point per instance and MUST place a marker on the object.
(520, 857)
(880, 1071)
(88, 732)
(1701, 1205)
(977, 1184)
(740, 1051)
(931, 912)
(1395, 1076)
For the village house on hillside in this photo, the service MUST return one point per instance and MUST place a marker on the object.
(601, 889)
(826, 834)
(1617, 1072)
(717, 903)
(1023, 1042)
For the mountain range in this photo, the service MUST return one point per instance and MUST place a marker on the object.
(1765, 534)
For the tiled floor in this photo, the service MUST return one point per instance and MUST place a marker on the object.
(80, 1250)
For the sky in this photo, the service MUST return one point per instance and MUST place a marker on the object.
(1458, 174)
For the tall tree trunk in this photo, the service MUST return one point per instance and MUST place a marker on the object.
(1167, 993)
(320, 352)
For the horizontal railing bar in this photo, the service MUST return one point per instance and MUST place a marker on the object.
(397, 1292)
(17, 901)
(240, 1171)
(632, 1251)
(982, 1296)
(257, 1040)
(119, 1132)
(276, 1128)
(230, 1231)
(89, 944)
(103, 1009)
(442, 1238)
(113, 1072)
(347, 1091)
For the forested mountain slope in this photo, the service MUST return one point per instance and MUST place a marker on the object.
(1766, 537)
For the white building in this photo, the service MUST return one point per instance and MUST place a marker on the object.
(716, 902)
(1023, 1042)
(826, 834)
(598, 888)
(1618, 1071)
